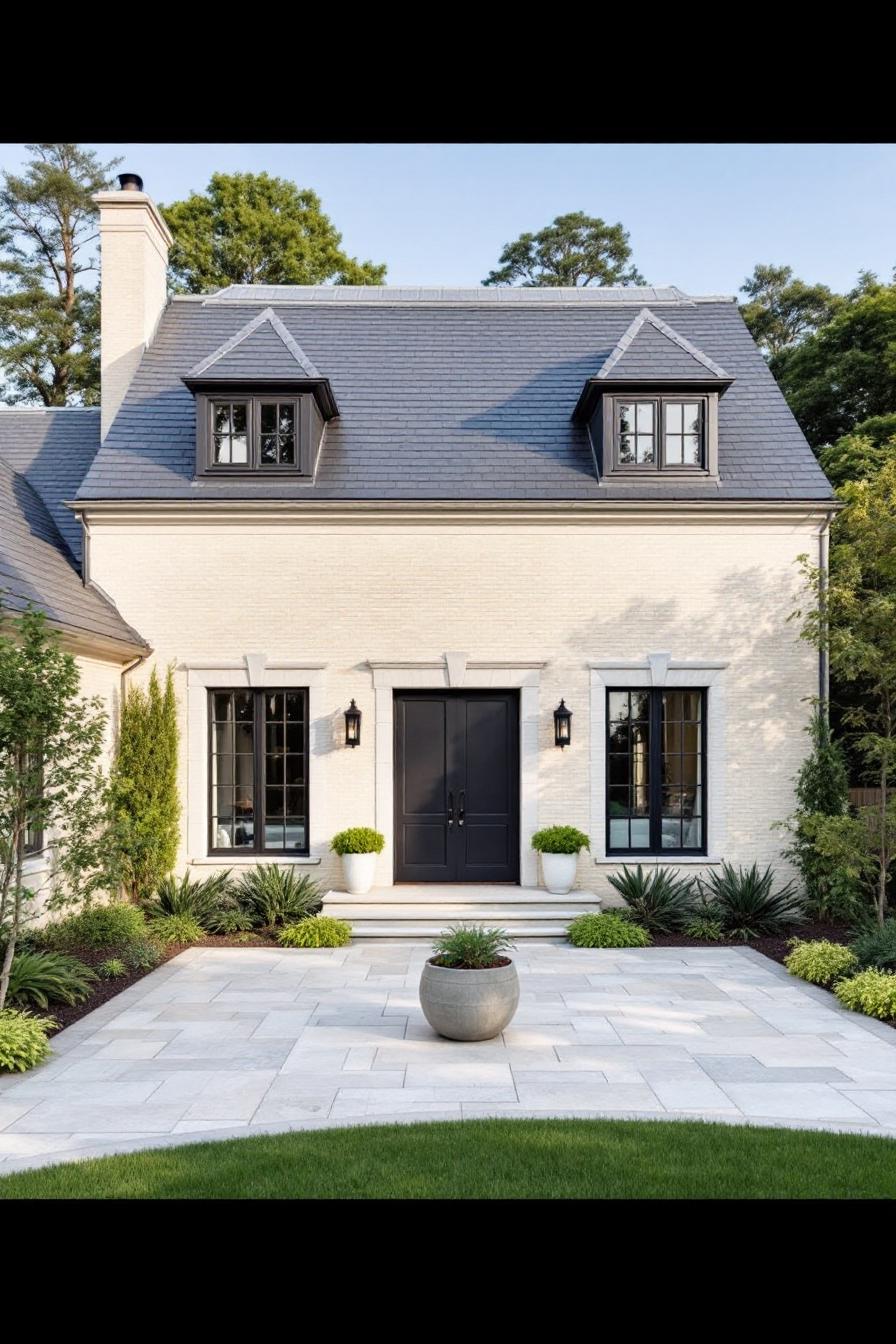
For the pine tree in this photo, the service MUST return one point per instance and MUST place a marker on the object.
(145, 801)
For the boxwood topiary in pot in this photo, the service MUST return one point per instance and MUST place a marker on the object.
(358, 847)
(559, 849)
(469, 989)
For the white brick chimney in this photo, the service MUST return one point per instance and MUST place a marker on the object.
(134, 243)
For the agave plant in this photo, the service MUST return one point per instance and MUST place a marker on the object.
(746, 904)
(276, 896)
(659, 901)
(184, 897)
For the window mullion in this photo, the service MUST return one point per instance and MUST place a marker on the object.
(656, 766)
(258, 771)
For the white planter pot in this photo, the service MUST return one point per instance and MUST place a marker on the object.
(559, 872)
(359, 871)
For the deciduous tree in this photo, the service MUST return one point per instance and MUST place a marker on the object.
(575, 249)
(781, 310)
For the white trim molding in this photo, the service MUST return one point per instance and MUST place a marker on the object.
(661, 669)
(253, 671)
(443, 674)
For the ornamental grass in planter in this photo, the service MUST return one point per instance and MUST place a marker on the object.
(358, 847)
(559, 849)
(469, 989)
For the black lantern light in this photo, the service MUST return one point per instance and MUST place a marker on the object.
(562, 725)
(353, 726)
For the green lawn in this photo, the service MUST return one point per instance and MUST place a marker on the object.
(490, 1159)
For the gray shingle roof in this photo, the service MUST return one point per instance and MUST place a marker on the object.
(36, 568)
(452, 395)
(263, 347)
(650, 348)
(53, 449)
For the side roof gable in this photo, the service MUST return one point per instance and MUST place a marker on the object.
(263, 348)
(650, 349)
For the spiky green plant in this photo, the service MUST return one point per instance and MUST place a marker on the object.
(875, 948)
(23, 1039)
(467, 947)
(746, 904)
(43, 978)
(231, 919)
(660, 900)
(201, 899)
(315, 931)
(275, 895)
(112, 969)
(704, 926)
(609, 930)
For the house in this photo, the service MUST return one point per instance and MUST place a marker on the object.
(454, 511)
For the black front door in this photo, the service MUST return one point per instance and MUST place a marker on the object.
(457, 786)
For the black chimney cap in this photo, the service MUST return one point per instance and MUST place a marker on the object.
(130, 182)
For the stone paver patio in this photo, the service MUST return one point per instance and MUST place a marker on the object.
(223, 1042)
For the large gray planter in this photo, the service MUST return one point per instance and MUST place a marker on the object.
(469, 1005)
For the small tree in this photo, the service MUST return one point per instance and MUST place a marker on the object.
(145, 802)
(822, 793)
(854, 617)
(575, 250)
(51, 740)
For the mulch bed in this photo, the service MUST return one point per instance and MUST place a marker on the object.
(777, 947)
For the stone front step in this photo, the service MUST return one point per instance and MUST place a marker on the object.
(424, 911)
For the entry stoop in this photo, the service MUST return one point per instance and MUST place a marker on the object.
(409, 911)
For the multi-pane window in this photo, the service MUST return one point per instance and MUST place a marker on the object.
(640, 444)
(636, 421)
(231, 433)
(656, 771)
(251, 433)
(258, 771)
(278, 433)
(683, 441)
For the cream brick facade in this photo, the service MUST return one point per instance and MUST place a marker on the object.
(565, 593)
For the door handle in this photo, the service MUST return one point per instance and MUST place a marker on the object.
(450, 808)
(461, 806)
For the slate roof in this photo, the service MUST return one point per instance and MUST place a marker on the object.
(36, 567)
(453, 395)
(649, 345)
(53, 449)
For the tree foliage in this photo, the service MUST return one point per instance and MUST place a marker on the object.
(845, 372)
(781, 310)
(861, 453)
(822, 793)
(575, 249)
(253, 229)
(51, 740)
(145, 801)
(49, 320)
(853, 615)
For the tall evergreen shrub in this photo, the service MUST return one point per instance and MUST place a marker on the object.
(145, 801)
(822, 790)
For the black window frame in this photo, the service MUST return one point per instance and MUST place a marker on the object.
(258, 848)
(655, 848)
(659, 465)
(37, 843)
(254, 399)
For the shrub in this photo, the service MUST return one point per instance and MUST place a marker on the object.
(231, 919)
(821, 962)
(23, 1040)
(607, 930)
(316, 931)
(358, 840)
(273, 895)
(705, 927)
(470, 948)
(99, 927)
(143, 955)
(43, 978)
(560, 840)
(176, 929)
(875, 948)
(822, 792)
(659, 901)
(112, 968)
(744, 902)
(200, 900)
(870, 992)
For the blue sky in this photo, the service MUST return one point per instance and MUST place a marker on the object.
(699, 216)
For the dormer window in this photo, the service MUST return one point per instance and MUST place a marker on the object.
(254, 433)
(660, 433)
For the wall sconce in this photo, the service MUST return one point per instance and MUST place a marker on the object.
(562, 725)
(353, 726)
